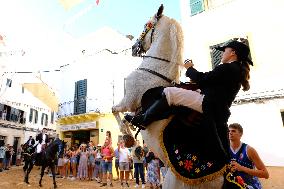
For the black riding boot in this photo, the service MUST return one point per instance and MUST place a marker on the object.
(157, 111)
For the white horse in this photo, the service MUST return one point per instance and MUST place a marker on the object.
(162, 40)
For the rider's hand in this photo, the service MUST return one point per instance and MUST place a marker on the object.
(188, 63)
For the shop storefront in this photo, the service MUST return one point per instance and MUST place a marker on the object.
(80, 133)
(79, 129)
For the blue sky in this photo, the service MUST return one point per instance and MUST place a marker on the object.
(125, 16)
(42, 28)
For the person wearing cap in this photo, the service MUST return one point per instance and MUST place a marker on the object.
(219, 88)
(245, 159)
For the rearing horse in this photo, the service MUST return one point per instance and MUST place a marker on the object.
(48, 157)
(189, 165)
(162, 41)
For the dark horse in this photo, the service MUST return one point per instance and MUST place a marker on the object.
(47, 159)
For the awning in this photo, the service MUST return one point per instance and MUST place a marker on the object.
(44, 94)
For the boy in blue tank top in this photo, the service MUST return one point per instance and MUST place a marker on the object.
(245, 159)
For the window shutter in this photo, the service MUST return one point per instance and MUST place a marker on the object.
(46, 120)
(216, 55)
(9, 83)
(31, 115)
(36, 116)
(196, 6)
(52, 117)
(42, 117)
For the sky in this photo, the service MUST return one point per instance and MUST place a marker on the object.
(43, 28)
(48, 18)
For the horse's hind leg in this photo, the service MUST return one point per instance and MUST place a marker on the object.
(41, 175)
(53, 175)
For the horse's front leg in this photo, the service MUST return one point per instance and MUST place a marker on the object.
(26, 165)
(29, 168)
(124, 129)
(52, 167)
(41, 175)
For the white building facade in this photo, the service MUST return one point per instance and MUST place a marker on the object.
(22, 114)
(104, 59)
(260, 111)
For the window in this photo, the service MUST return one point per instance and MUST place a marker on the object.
(9, 83)
(44, 119)
(282, 115)
(52, 117)
(33, 114)
(196, 6)
(217, 55)
(36, 116)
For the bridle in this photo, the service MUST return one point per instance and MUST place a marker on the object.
(139, 47)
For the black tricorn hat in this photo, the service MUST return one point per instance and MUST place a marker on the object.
(242, 50)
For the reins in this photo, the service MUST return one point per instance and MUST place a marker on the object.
(159, 75)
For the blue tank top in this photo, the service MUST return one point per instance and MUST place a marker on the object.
(241, 157)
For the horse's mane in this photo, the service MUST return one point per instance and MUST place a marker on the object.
(175, 32)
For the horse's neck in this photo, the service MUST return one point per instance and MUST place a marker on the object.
(169, 69)
(51, 150)
(164, 49)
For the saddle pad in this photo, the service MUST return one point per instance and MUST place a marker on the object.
(192, 152)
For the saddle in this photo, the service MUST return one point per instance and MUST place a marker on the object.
(191, 142)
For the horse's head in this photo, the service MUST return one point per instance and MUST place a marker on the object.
(143, 43)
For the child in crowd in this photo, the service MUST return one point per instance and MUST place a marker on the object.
(66, 165)
(73, 161)
(153, 170)
(91, 160)
(98, 164)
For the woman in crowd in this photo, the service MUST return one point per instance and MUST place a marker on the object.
(83, 162)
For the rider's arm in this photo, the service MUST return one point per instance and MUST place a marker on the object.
(217, 75)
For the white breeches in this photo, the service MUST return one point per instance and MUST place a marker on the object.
(183, 97)
(38, 148)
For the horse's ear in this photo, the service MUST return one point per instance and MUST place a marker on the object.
(160, 11)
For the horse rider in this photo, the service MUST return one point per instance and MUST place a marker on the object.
(42, 139)
(30, 143)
